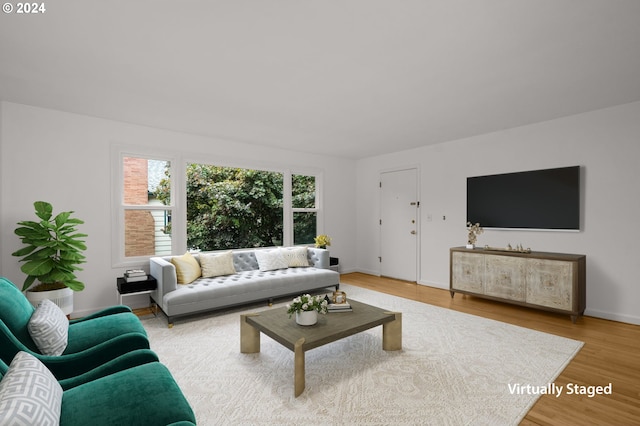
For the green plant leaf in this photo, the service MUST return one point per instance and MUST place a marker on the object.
(44, 210)
(24, 251)
(62, 218)
(75, 285)
(76, 244)
(28, 281)
(74, 221)
(43, 253)
(28, 232)
(38, 267)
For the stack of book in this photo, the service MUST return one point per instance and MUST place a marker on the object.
(135, 275)
(339, 307)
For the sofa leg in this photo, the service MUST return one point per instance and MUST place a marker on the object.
(270, 302)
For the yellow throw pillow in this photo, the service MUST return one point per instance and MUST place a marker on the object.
(214, 265)
(187, 268)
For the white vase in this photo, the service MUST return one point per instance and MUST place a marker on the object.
(307, 317)
(62, 297)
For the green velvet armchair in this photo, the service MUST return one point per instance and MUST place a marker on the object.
(98, 342)
(145, 395)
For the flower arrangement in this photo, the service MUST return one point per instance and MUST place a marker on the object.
(322, 241)
(306, 302)
(474, 231)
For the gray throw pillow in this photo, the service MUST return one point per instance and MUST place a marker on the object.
(49, 328)
(29, 394)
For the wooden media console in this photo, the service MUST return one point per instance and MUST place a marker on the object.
(549, 281)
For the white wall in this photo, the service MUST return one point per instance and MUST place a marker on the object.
(605, 142)
(64, 158)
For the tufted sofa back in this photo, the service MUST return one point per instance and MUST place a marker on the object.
(245, 259)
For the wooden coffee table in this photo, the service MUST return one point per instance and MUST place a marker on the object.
(333, 326)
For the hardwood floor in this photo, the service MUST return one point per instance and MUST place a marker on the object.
(611, 354)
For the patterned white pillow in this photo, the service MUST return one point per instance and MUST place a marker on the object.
(270, 260)
(214, 265)
(49, 328)
(29, 393)
(296, 257)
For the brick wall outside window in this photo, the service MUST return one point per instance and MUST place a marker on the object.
(139, 224)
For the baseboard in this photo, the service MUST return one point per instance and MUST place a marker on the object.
(629, 319)
(434, 284)
(363, 271)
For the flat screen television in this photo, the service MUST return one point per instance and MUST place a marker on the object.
(539, 199)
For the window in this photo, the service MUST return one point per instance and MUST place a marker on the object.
(230, 207)
(304, 208)
(145, 207)
(165, 205)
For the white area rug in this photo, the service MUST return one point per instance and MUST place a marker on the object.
(454, 369)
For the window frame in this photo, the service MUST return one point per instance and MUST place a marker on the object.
(179, 197)
(119, 153)
(315, 209)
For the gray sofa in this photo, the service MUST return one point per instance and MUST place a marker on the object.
(248, 284)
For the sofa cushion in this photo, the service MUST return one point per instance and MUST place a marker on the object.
(270, 260)
(187, 268)
(215, 265)
(29, 393)
(49, 328)
(296, 257)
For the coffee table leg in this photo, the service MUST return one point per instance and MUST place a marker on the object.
(298, 374)
(249, 336)
(392, 333)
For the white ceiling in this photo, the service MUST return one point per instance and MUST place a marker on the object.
(351, 78)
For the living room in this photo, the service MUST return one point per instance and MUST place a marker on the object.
(57, 141)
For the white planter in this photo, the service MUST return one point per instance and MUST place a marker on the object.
(62, 297)
(307, 317)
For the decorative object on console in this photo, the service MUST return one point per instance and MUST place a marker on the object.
(474, 230)
(322, 241)
(519, 248)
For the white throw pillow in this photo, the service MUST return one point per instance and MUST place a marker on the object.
(270, 260)
(49, 328)
(296, 257)
(214, 265)
(29, 393)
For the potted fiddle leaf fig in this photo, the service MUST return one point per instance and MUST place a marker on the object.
(53, 250)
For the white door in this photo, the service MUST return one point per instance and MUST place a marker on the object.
(399, 224)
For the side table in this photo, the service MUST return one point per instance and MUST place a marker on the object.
(135, 288)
